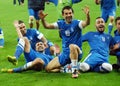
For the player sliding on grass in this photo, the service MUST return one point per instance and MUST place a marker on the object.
(35, 59)
(100, 43)
(70, 30)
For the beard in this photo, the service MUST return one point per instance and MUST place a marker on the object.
(69, 19)
(101, 28)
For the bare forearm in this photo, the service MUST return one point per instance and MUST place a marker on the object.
(19, 33)
(47, 25)
(88, 19)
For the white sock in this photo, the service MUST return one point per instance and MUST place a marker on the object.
(27, 65)
(74, 65)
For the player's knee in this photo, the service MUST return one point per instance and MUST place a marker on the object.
(48, 69)
(106, 67)
(38, 64)
(73, 47)
(112, 19)
(84, 67)
(31, 19)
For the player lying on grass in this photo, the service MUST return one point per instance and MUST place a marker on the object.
(70, 30)
(34, 36)
(35, 59)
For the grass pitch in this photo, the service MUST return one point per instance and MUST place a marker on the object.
(9, 13)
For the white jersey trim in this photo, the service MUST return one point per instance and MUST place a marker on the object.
(80, 24)
(40, 36)
(55, 25)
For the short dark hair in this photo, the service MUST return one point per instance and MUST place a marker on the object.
(117, 18)
(20, 21)
(68, 8)
(98, 17)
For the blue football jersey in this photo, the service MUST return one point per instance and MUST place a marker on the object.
(71, 33)
(116, 36)
(99, 42)
(34, 36)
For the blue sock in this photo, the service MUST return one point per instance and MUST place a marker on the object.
(110, 26)
(23, 68)
(19, 51)
(19, 69)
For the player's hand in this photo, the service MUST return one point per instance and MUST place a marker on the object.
(16, 24)
(42, 15)
(116, 46)
(86, 10)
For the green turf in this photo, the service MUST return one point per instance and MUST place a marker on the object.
(9, 13)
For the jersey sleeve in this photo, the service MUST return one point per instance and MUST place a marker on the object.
(85, 37)
(39, 35)
(55, 25)
(80, 24)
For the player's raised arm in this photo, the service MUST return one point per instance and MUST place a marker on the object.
(44, 22)
(17, 26)
(87, 21)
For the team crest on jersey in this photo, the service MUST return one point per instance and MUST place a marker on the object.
(103, 39)
(67, 33)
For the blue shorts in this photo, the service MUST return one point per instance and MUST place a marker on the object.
(106, 13)
(34, 13)
(32, 55)
(95, 60)
(1, 42)
(64, 57)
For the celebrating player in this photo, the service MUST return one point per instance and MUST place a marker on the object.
(34, 59)
(100, 42)
(34, 36)
(70, 30)
(108, 8)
